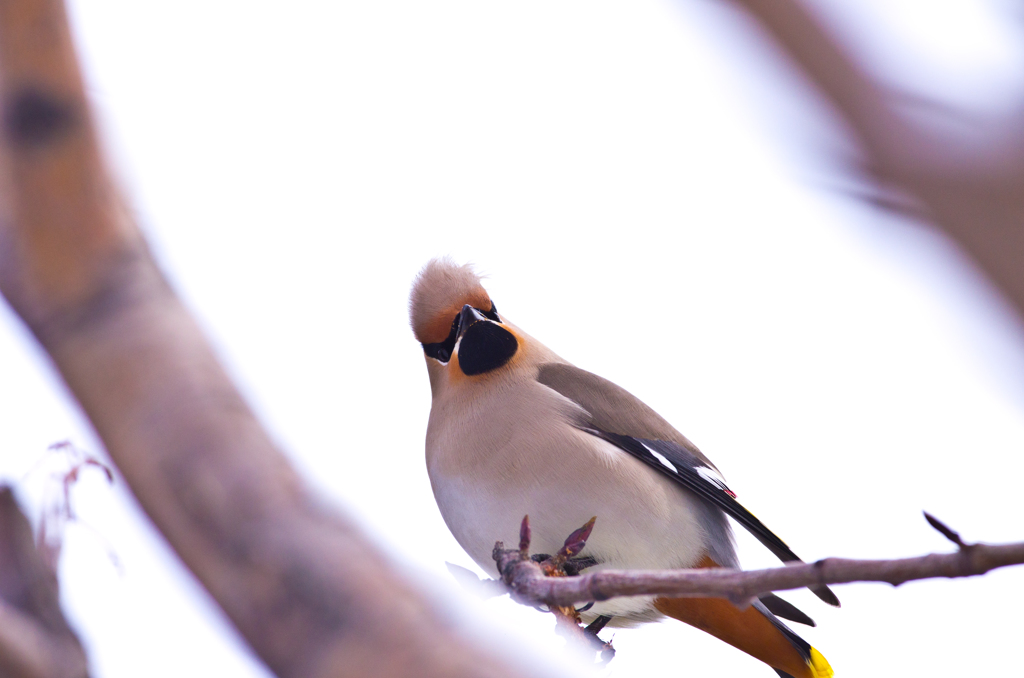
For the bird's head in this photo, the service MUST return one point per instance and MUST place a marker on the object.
(458, 325)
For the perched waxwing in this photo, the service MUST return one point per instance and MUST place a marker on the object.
(515, 430)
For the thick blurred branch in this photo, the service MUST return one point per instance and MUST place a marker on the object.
(35, 639)
(305, 587)
(968, 179)
(532, 583)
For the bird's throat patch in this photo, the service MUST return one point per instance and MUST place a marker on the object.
(485, 346)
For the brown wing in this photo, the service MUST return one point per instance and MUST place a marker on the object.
(611, 407)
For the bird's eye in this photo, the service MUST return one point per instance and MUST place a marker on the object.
(492, 314)
(442, 350)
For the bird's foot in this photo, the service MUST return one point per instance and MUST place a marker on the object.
(565, 563)
(572, 566)
(605, 650)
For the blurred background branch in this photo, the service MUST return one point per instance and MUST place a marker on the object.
(35, 638)
(967, 180)
(303, 585)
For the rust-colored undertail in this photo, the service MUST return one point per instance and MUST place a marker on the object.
(749, 630)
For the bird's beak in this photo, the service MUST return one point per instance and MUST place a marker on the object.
(468, 317)
(482, 344)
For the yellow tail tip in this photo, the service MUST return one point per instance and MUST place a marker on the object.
(819, 665)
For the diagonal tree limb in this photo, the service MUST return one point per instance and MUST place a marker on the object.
(304, 586)
(35, 638)
(966, 178)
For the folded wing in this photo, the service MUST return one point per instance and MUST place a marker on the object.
(623, 420)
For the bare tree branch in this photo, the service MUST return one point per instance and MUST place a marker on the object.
(304, 586)
(35, 638)
(531, 584)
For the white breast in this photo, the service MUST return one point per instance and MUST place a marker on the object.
(503, 453)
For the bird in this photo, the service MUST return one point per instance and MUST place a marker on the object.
(516, 430)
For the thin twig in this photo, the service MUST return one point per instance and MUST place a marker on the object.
(530, 585)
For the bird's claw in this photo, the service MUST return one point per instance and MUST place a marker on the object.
(565, 563)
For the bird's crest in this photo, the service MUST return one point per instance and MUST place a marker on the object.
(439, 292)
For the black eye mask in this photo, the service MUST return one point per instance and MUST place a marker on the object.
(443, 350)
(484, 347)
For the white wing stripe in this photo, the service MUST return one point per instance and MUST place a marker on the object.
(660, 457)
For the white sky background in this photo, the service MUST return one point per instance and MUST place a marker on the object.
(642, 182)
